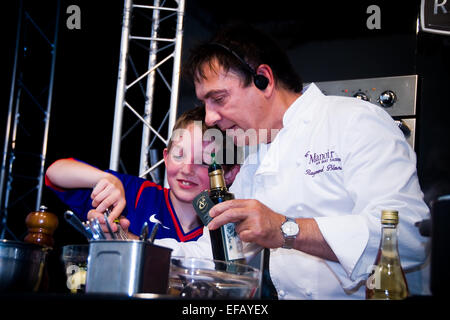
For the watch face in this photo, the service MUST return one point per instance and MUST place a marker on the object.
(290, 228)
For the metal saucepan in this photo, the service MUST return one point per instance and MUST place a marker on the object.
(21, 266)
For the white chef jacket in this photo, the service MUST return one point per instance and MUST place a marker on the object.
(340, 161)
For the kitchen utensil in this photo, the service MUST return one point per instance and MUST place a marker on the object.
(21, 266)
(41, 226)
(144, 232)
(127, 267)
(153, 234)
(120, 233)
(75, 222)
(212, 279)
(94, 225)
(113, 236)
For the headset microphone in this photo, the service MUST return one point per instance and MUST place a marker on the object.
(259, 80)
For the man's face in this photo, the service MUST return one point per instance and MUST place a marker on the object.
(187, 164)
(237, 110)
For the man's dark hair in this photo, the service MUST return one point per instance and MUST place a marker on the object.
(253, 46)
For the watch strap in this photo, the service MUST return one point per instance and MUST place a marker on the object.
(289, 240)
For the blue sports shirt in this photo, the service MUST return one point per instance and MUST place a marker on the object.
(146, 201)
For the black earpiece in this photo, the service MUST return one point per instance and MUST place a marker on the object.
(260, 81)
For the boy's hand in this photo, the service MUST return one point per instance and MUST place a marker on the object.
(124, 222)
(107, 193)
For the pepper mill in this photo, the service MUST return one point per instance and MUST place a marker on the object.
(41, 226)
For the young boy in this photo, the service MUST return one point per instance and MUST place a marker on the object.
(89, 191)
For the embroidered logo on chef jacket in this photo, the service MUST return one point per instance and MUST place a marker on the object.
(320, 162)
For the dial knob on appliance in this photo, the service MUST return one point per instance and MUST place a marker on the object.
(361, 95)
(387, 99)
(404, 128)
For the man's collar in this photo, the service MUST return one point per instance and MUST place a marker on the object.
(299, 109)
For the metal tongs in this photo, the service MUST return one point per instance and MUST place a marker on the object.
(144, 232)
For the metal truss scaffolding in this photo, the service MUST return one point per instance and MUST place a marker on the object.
(159, 38)
(28, 117)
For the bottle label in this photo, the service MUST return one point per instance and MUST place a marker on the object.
(232, 242)
(202, 204)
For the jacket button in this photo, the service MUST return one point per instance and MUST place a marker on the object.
(281, 293)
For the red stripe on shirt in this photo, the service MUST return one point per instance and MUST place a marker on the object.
(144, 185)
(175, 222)
(194, 234)
(181, 236)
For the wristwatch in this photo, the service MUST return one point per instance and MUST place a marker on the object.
(290, 230)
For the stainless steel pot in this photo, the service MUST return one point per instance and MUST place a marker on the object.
(21, 266)
(127, 267)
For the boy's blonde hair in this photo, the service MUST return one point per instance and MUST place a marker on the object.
(198, 114)
(188, 117)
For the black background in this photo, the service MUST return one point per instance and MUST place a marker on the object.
(326, 40)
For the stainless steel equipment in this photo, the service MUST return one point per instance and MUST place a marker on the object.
(127, 267)
(396, 95)
(75, 222)
(21, 266)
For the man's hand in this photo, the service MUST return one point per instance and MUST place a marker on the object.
(259, 224)
(254, 221)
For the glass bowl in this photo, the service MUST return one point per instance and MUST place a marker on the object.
(75, 258)
(212, 279)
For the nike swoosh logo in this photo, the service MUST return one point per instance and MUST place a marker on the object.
(153, 219)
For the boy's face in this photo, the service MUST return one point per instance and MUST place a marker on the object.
(187, 164)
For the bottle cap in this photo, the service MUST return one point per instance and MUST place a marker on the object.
(389, 217)
(215, 172)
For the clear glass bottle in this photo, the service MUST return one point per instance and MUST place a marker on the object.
(387, 281)
(225, 241)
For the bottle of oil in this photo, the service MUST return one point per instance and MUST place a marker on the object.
(225, 241)
(387, 281)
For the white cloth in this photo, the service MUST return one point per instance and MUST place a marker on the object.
(340, 161)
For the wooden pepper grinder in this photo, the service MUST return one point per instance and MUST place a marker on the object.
(41, 226)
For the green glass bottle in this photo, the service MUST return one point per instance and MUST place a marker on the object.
(387, 281)
(225, 241)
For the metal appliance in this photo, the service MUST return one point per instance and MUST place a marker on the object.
(21, 266)
(127, 267)
(396, 95)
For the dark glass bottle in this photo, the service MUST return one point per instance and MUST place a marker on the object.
(225, 241)
(387, 281)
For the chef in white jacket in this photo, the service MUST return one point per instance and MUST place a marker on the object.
(324, 169)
